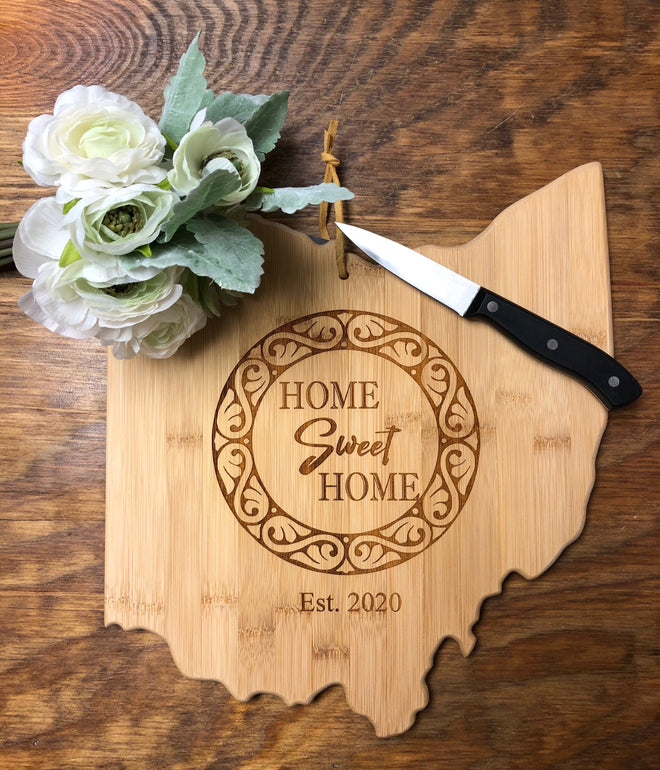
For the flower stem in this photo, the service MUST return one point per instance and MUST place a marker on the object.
(8, 229)
(7, 233)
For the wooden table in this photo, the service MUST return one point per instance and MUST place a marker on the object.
(449, 111)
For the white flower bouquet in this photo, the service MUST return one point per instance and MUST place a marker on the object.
(144, 239)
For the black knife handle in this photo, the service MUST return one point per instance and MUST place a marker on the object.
(610, 381)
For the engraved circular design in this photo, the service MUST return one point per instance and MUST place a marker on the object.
(409, 531)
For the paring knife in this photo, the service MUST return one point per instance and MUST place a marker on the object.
(610, 381)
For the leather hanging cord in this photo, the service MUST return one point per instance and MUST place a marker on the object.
(331, 163)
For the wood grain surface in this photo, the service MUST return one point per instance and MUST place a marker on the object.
(449, 111)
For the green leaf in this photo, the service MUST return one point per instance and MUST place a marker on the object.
(145, 250)
(170, 142)
(265, 124)
(185, 94)
(241, 107)
(218, 249)
(235, 251)
(290, 199)
(211, 190)
(69, 255)
(69, 205)
(208, 294)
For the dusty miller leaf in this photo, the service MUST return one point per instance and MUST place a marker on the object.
(219, 249)
(212, 189)
(185, 94)
(290, 199)
(237, 253)
(241, 107)
(265, 124)
(208, 295)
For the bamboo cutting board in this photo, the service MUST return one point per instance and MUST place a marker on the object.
(326, 483)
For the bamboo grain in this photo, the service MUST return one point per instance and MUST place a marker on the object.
(180, 563)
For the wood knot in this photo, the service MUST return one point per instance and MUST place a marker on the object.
(552, 442)
(184, 439)
(333, 651)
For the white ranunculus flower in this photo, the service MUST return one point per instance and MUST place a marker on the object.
(42, 236)
(94, 138)
(64, 301)
(162, 334)
(207, 147)
(134, 309)
(118, 221)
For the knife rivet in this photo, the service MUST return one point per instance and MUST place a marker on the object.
(552, 344)
(614, 381)
(492, 307)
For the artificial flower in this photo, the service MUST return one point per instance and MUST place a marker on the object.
(43, 235)
(162, 334)
(208, 147)
(128, 253)
(94, 138)
(64, 301)
(118, 221)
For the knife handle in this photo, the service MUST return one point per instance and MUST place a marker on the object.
(610, 381)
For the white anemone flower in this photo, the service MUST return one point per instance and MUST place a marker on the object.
(211, 146)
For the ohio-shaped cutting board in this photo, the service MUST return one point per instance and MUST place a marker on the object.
(327, 481)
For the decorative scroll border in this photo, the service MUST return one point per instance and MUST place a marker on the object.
(427, 519)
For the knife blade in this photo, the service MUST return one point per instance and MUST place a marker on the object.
(602, 374)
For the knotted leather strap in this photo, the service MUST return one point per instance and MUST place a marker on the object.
(331, 163)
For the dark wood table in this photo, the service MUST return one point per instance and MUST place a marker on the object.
(448, 111)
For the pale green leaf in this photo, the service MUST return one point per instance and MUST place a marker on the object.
(241, 107)
(185, 94)
(207, 294)
(212, 189)
(218, 249)
(290, 199)
(237, 254)
(265, 124)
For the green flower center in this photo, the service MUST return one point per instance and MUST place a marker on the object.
(124, 220)
(119, 289)
(231, 157)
